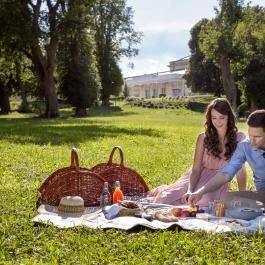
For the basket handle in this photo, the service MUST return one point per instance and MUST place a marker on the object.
(112, 153)
(74, 158)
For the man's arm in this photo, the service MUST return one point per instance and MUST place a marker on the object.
(241, 177)
(213, 184)
(224, 175)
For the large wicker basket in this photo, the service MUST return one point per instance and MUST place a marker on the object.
(71, 181)
(132, 184)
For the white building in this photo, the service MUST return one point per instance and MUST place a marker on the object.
(169, 83)
(152, 85)
(180, 64)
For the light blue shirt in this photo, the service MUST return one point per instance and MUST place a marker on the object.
(254, 156)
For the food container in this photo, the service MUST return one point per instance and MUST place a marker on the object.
(219, 209)
(176, 211)
(185, 213)
(202, 216)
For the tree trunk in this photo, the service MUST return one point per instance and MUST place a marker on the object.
(81, 112)
(50, 96)
(253, 104)
(24, 100)
(45, 69)
(105, 101)
(4, 100)
(228, 81)
(21, 87)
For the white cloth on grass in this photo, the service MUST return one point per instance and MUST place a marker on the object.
(97, 220)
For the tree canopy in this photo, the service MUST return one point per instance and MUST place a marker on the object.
(249, 37)
(39, 28)
(202, 75)
(115, 37)
(235, 42)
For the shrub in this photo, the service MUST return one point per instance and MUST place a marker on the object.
(243, 110)
(24, 109)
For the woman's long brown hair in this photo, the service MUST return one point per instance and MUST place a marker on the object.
(211, 141)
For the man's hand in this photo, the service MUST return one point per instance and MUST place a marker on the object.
(213, 184)
(194, 198)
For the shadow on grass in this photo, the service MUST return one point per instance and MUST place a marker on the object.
(68, 112)
(100, 111)
(63, 131)
(109, 111)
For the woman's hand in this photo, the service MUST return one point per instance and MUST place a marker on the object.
(185, 197)
(194, 198)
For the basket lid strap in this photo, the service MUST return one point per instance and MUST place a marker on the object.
(74, 158)
(112, 153)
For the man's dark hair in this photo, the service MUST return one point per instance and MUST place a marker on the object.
(257, 119)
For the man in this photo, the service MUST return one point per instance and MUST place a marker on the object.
(252, 151)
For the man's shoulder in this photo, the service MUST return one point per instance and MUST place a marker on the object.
(240, 136)
(244, 144)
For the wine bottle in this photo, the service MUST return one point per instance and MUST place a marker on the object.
(105, 198)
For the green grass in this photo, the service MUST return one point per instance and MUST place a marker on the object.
(157, 143)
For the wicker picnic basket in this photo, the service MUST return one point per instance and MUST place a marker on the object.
(132, 184)
(71, 181)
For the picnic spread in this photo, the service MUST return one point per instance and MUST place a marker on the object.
(150, 215)
(75, 196)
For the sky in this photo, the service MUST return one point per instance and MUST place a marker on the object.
(166, 27)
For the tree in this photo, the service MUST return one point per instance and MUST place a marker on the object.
(115, 37)
(17, 69)
(4, 96)
(216, 42)
(202, 75)
(23, 82)
(115, 80)
(34, 31)
(126, 90)
(8, 82)
(77, 62)
(250, 65)
(4, 88)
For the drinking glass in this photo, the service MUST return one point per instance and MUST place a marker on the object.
(235, 204)
(211, 208)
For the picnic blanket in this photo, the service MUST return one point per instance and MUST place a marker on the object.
(95, 218)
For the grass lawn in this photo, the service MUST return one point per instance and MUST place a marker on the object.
(157, 143)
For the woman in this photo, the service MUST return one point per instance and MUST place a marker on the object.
(214, 148)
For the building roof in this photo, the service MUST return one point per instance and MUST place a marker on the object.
(180, 64)
(152, 78)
